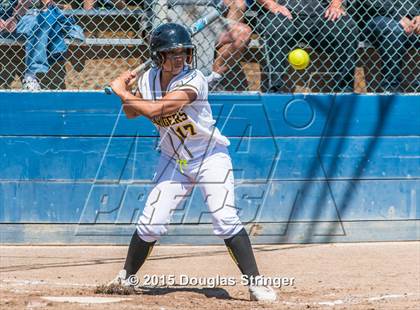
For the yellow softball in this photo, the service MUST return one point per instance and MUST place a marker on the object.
(299, 59)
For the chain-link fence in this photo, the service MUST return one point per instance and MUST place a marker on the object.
(354, 45)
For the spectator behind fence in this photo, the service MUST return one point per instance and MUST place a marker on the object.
(44, 31)
(323, 24)
(229, 36)
(105, 4)
(10, 13)
(392, 27)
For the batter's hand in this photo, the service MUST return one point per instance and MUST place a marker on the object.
(123, 83)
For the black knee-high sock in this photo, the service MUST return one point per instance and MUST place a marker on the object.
(138, 251)
(239, 247)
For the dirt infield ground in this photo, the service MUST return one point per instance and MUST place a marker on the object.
(343, 276)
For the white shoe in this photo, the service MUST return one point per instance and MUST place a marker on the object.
(122, 280)
(31, 83)
(262, 293)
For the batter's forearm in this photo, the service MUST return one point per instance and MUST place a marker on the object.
(170, 103)
(129, 111)
(135, 106)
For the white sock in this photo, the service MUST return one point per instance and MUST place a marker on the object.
(30, 76)
(213, 76)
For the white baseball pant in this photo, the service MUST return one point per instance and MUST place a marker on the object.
(213, 175)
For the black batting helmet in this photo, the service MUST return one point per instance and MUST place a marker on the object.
(170, 36)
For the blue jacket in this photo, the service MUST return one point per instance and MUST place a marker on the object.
(45, 32)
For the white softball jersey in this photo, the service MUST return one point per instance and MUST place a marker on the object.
(190, 132)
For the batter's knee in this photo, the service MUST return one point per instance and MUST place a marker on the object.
(151, 232)
(149, 227)
(226, 226)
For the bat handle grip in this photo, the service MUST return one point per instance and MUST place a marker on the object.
(108, 90)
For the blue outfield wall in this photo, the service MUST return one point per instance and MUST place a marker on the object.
(308, 168)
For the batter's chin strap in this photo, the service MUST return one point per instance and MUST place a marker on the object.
(239, 247)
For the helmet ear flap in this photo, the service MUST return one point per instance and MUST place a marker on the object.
(191, 57)
(158, 58)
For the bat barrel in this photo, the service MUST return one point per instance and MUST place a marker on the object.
(203, 22)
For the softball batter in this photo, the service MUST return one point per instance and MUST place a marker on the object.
(173, 95)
